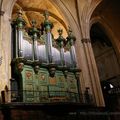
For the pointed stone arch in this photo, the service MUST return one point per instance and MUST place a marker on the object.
(108, 31)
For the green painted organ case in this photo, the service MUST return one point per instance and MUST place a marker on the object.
(44, 69)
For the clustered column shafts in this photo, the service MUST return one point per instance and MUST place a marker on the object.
(71, 39)
(61, 43)
(48, 26)
(20, 22)
(33, 32)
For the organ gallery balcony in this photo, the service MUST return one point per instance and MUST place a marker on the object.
(46, 97)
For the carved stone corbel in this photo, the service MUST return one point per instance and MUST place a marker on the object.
(52, 69)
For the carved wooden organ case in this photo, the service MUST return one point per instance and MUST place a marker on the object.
(44, 69)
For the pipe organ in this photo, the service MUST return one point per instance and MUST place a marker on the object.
(44, 69)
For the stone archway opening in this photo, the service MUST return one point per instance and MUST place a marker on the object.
(107, 62)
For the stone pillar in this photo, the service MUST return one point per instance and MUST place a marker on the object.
(93, 73)
(1, 14)
(5, 49)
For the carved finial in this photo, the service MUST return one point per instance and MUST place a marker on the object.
(60, 40)
(71, 38)
(47, 24)
(33, 31)
(33, 23)
(20, 12)
(60, 31)
(20, 22)
(69, 30)
(46, 15)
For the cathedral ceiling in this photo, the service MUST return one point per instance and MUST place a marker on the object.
(34, 9)
(107, 7)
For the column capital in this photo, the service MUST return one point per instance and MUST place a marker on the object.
(85, 40)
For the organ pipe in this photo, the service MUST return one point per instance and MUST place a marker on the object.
(48, 26)
(33, 32)
(71, 39)
(52, 54)
(61, 42)
(20, 24)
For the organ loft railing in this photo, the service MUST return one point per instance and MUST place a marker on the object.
(43, 69)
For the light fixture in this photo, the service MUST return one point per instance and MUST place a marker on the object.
(111, 86)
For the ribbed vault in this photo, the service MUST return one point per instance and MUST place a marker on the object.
(34, 9)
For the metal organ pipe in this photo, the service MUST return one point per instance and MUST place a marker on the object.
(35, 47)
(73, 55)
(71, 39)
(35, 50)
(48, 26)
(49, 46)
(20, 24)
(60, 40)
(16, 42)
(33, 33)
(20, 41)
(62, 56)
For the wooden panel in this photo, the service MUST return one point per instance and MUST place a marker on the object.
(27, 74)
(52, 81)
(57, 87)
(28, 84)
(43, 94)
(72, 83)
(72, 88)
(60, 79)
(43, 77)
(43, 88)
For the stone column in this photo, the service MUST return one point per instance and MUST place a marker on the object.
(93, 73)
(5, 50)
(1, 14)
